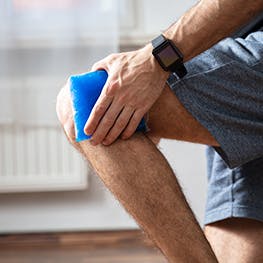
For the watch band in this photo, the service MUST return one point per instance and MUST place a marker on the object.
(158, 41)
(180, 70)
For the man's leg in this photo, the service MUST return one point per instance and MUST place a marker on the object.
(236, 240)
(141, 179)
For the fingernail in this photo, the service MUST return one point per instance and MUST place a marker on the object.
(87, 132)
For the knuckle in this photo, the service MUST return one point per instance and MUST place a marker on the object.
(141, 105)
(95, 65)
(100, 109)
(130, 130)
(128, 133)
(112, 56)
(122, 100)
(120, 124)
(105, 62)
(110, 138)
(108, 121)
(98, 65)
(135, 120)
(113, 87)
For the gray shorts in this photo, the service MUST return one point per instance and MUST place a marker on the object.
(224, 92)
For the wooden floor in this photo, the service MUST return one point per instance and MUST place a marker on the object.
(91, 247)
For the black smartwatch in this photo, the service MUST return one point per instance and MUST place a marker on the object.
(168, 56)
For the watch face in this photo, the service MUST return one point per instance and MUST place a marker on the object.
(167, 55)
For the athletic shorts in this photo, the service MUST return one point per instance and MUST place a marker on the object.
(223, 90)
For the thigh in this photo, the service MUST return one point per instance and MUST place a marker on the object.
(236, 240)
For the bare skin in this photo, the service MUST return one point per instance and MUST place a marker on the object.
(236, 240)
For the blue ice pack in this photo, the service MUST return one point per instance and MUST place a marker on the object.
(85, 89)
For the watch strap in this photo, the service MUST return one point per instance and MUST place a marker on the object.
(158, 41)
(180, 70)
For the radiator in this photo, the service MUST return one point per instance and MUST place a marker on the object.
(39, 159)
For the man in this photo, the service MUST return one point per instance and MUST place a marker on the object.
(218, 103)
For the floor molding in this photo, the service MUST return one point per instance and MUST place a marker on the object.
(122, 238)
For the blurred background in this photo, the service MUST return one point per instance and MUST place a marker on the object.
(44, 184)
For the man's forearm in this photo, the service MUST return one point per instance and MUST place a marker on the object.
(208, 22)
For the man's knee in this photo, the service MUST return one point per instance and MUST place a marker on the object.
(65, 116)
(65, 112)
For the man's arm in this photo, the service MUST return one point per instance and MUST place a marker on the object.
(136, 80)
(208, 22)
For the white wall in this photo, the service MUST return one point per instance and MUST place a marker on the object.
(142, 20)
(189, 164)
(92, 209)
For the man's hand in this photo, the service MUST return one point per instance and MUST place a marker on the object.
(135, 82)
(65, 112)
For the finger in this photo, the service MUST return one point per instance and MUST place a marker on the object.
(106, 123)
(119, 125)
(133, 124)
(97, 113)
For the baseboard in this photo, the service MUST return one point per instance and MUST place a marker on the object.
(122, 238)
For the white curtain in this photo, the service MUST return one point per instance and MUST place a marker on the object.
(41, 44)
